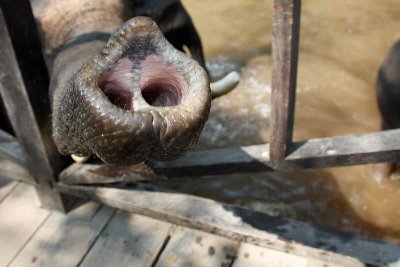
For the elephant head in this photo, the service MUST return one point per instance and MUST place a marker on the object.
(138, 98)
(131, 98)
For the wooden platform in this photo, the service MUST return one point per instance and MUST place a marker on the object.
(96, 235)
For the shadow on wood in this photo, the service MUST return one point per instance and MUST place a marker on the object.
(241, 224)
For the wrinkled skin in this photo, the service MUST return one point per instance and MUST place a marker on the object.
(388, 97)
(175, 23)
(133, 98)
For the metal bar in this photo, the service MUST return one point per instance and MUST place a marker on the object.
(285, 42)
(314, 153)
(18, 106)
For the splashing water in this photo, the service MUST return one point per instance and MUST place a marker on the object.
(342, 45)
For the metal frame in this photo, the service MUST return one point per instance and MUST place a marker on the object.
(29, 111)
(23, 86)
(32, 157)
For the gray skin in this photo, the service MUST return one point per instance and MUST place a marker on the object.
(388, 96)
(113, 99)
(388, 88)
(174, 22)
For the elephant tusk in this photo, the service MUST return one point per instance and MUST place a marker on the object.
(79, 159)
(225, 85)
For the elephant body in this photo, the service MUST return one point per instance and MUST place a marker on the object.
(388, 89)
(388, 97)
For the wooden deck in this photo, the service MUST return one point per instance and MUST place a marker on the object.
(96, 235)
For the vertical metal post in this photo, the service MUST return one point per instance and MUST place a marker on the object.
(23, 87)
(285, 43)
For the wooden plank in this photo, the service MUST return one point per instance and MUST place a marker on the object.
(104, 174)
(22, 116)
(250, 255)
(285, 43)
(11, 170)
(254, 256)
(318, 263)
(314, 153)
(6, 187)
(20, 218)
(64, 240)
(195, 248)
(128, 240)
(13, 160)
(240, 224)
(12, 150)
(6, 137)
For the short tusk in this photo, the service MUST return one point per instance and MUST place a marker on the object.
(79, 159)
(225, 85)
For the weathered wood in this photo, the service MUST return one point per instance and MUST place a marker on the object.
(22, 116)
(64, 240)
(195, 248)
(243, 225)
(254, 256)
(25, 40)
(314, 153)
(285, 43)
(6, 137)
(12, 160)
(6, 187)
(105, 174)
(10, 148)
(11, 170)
(128, 240)
(250, 255)
(15, 233)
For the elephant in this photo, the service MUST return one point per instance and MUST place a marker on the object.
(388, 96)
(120, 86)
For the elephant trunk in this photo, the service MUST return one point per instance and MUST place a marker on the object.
(129, 99)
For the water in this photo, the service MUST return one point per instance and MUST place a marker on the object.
(341, 48)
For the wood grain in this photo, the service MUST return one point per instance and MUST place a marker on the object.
(64, 240)
(6, 187)
(197, 249)
(20, 218)
(104, 174)
(22, 116)
(250, 255)
(285, 47)
(13, 160)
(242, 225)
(311, 154)
(128, 240)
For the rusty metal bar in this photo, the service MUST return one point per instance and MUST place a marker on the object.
(285, 43)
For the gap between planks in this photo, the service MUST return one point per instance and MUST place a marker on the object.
(222, 220)
(20, 217)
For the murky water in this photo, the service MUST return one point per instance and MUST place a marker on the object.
(342, 45)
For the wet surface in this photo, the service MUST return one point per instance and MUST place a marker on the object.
(342, 45)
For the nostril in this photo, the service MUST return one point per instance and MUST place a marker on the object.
(161, 84)
(120, 98)
(162, 94)
(115, 84)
